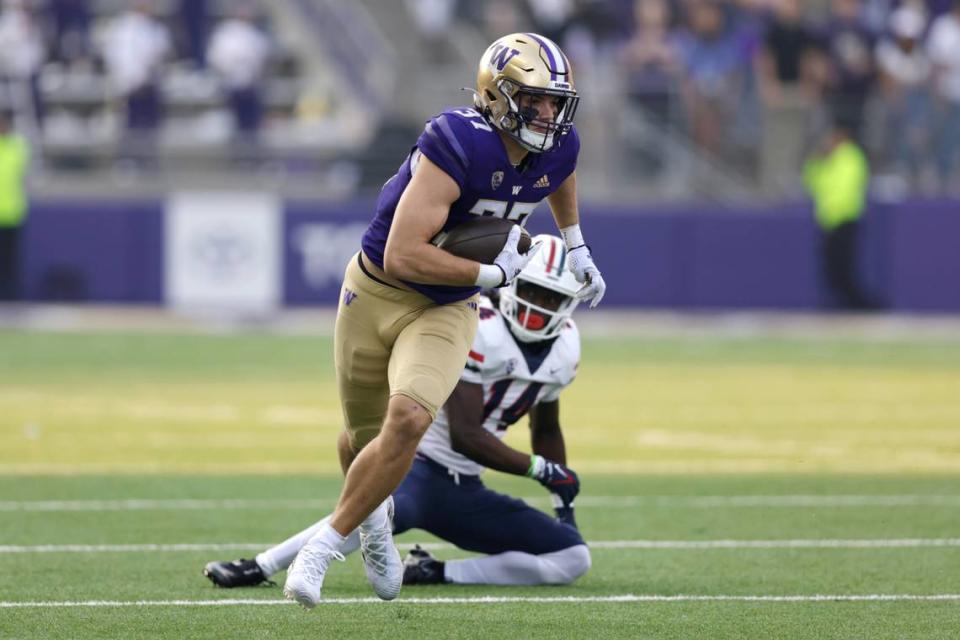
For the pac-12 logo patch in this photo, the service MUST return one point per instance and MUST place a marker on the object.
(496, 179)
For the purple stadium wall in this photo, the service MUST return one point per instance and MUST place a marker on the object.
(688, 258)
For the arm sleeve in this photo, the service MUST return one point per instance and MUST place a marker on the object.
(447, 143)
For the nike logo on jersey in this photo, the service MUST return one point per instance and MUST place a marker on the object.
(542, 183)
(555, 371)
(516, 190)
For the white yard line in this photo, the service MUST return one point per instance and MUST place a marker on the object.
(839, 543)
(626, 598)
(621, 502)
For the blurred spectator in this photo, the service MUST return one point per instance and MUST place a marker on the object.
(944, 50)
(14, 162)
(501, 17)
(135, 47)
(787, 86)
(195, 21)
(433, 19)
(588, 30)
(747, 19)
(710, 58)
(904, 73)
(24, 52)
(850, 47)
(786, 46)
(837, 176)
(651, 65)
(239, 52)
(651, 60)
(937, 7)
(551, 17)
(876, 13)
(71, 30)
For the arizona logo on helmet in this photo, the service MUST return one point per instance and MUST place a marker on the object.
(526, 64)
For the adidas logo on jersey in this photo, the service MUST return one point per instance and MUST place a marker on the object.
(542, 183)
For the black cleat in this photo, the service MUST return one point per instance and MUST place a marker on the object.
(419, 567)
(238, 573)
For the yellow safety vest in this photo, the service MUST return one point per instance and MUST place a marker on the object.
(838, 185)
(14, 159)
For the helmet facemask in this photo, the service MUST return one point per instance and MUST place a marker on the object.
(521, 119)
(535, 312)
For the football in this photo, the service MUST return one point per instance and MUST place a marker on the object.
(481, 239)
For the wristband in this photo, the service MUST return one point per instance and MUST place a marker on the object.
(537, 463)
(490, 276)
(572, 236)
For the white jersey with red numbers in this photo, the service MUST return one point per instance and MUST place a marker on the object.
(510, 388)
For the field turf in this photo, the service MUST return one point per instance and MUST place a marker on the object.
(732, 488)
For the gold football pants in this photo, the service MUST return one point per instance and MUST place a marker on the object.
(392, 340)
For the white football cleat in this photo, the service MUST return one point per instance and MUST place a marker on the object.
(381, 560)
(306, 572)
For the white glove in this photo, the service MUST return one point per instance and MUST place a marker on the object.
(581, 264)
(508, 263)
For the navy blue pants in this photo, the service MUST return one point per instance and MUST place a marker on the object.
(473, 517)
(10, 241)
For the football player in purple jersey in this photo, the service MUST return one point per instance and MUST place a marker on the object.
(408, 310)
(524, 355)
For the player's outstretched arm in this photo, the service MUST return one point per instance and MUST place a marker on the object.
(420, 214)
(546, 439)
(469, 438)
(563, 205)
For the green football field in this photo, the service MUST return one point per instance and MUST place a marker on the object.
(732, 488)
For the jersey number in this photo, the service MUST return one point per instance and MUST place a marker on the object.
(503, 209)
(475, 119)
(519, 408)
(496, 208)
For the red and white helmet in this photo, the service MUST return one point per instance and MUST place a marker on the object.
(532, 322)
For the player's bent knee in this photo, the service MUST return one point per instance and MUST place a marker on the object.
(580, 561)
(567, 564)
(406, 422)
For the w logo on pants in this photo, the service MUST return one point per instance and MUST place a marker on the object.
(348, 297)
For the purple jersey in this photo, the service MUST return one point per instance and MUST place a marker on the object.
(469, 149)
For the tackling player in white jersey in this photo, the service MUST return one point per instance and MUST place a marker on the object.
(523, 356)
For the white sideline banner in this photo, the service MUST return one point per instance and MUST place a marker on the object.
(223, 252)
